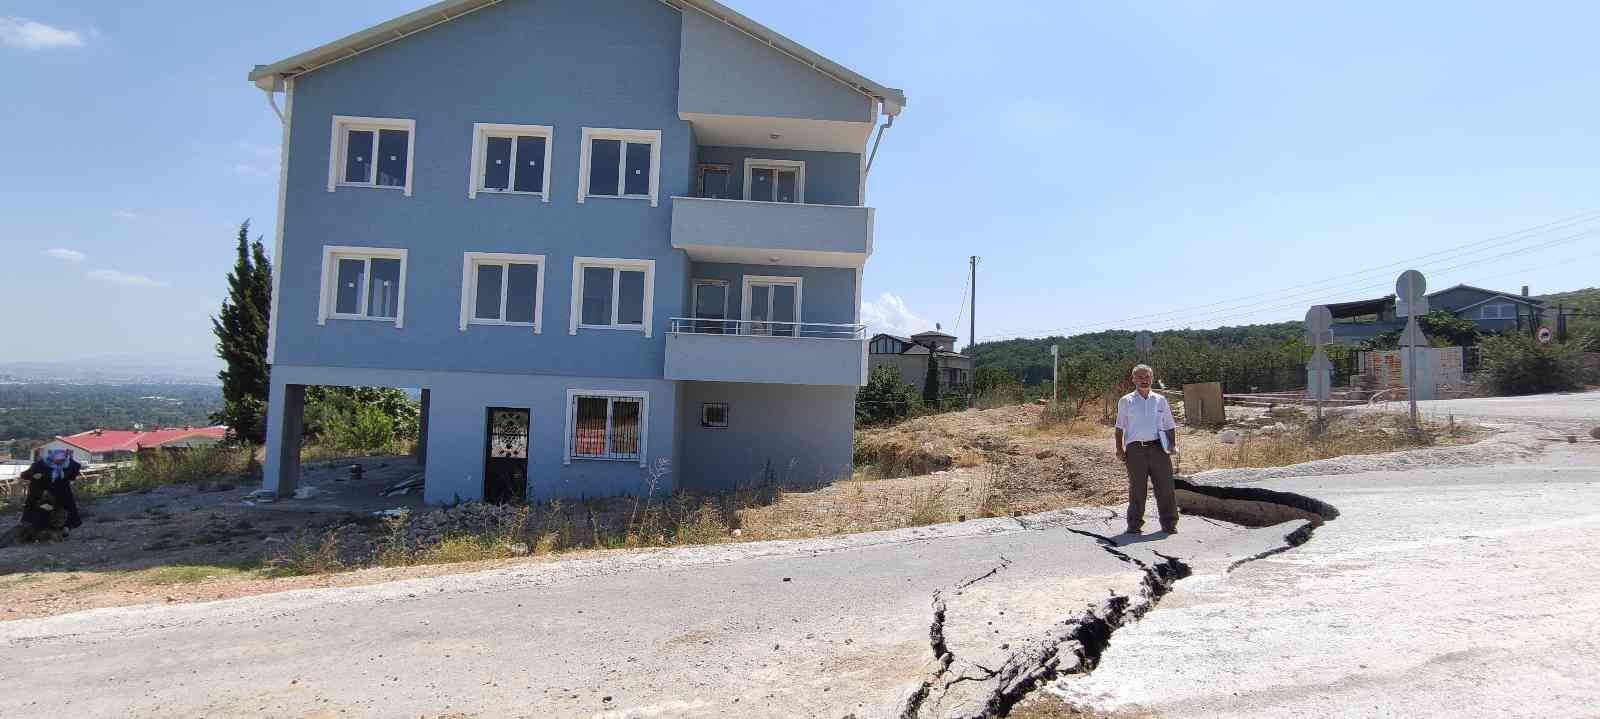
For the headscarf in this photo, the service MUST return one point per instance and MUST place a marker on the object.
(57, 459)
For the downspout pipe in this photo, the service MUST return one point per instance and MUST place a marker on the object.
(879, 140)
(272, 100)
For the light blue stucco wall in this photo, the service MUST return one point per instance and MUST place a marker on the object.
(458, 424)
(564, 63)
(762, 424)
(832, 178)
(827, 294)
(726, 72)
(845, 232)
(804, 360)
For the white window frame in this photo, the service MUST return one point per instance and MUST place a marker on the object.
(1503, 311)
(471, 261)
(727, 417)
(326, 303)
(694, 297)
(799, 167)
(650, 137)
(568, 439)
(343, 124)
(481, 132)
(580, 263)
(744, 300)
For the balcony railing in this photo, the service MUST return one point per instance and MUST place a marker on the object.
(794, 353)
(763, 328)
(781, 233)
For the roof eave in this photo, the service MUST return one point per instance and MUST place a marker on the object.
(271, 76)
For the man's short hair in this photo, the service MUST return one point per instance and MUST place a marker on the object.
(1142, 368)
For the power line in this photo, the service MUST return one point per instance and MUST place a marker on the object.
(1318, 286)
(1348, 289)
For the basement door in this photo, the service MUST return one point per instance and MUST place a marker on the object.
(505, 463)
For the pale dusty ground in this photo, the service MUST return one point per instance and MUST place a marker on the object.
(180, 545)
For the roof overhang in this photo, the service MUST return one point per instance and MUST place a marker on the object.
(271, 76)
(1359, 308)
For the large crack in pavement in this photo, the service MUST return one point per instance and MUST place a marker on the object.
(1075, 645)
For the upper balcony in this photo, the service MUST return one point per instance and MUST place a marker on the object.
(763, 233)
(804, 353)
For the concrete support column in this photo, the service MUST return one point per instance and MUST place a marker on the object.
(285, 423)
(422, 427)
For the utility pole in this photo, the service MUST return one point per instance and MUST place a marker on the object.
(972, 312)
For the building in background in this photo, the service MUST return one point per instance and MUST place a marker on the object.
(1493, 312)
(113, 445)
(910, 356)
(656, 254)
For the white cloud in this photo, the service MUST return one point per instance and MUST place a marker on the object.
(889, 315)
(127, 214)
(62, 253)
(124, 278)
(29, 35)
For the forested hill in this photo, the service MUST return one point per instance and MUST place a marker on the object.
(1029, 358)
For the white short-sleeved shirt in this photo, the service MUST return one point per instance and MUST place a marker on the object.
(1144, 419)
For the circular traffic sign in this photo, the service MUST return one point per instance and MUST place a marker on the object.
(1319, 319)
(1410, 286)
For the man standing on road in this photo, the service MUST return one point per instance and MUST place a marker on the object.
(1147, 437)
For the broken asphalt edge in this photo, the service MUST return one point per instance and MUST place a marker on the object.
(1075, 645)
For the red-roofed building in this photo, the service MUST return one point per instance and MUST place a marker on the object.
(110, 445)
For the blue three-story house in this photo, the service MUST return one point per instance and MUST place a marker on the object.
(596, 234)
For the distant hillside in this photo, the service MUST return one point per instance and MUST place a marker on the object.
(1029, 358)
(1587, 299)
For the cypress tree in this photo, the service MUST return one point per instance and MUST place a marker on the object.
(241, 331)
(930, 381)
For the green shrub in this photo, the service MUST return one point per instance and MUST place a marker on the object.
(885, 398)
(1516, 364)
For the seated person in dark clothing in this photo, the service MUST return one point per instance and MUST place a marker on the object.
(55, 472)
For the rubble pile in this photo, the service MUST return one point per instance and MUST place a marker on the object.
(473, 518)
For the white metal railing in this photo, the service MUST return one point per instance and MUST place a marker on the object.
(764, 328)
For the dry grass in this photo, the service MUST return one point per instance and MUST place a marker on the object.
(1303, 440)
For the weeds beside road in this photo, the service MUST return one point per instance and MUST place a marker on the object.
(184, 532)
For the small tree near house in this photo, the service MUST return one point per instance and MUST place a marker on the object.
(241, 331)
(930, 381)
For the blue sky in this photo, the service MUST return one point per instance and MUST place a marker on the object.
(1118, 165)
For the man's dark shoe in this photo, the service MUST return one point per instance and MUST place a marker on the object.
(1133, 530)
(1170, 530)
(74, 523)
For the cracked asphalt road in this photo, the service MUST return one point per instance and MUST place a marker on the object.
(1439, 592)
(774, 629)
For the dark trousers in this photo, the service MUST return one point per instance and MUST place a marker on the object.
(1150, 462)
(61, 489)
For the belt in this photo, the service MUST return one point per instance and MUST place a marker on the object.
(1149, 443)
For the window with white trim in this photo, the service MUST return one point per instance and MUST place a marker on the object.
(775, 180)
(1498, 311)
(619, 163)
(363, 283)
(607, 425)
(714, 415)
(510, 160)
(371, 152)
(612, 294)
(502, 289)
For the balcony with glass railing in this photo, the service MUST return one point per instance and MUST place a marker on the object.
(804, 353)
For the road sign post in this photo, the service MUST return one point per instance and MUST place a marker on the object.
(1055, 373)
(1410, 288)
(1319, 371)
